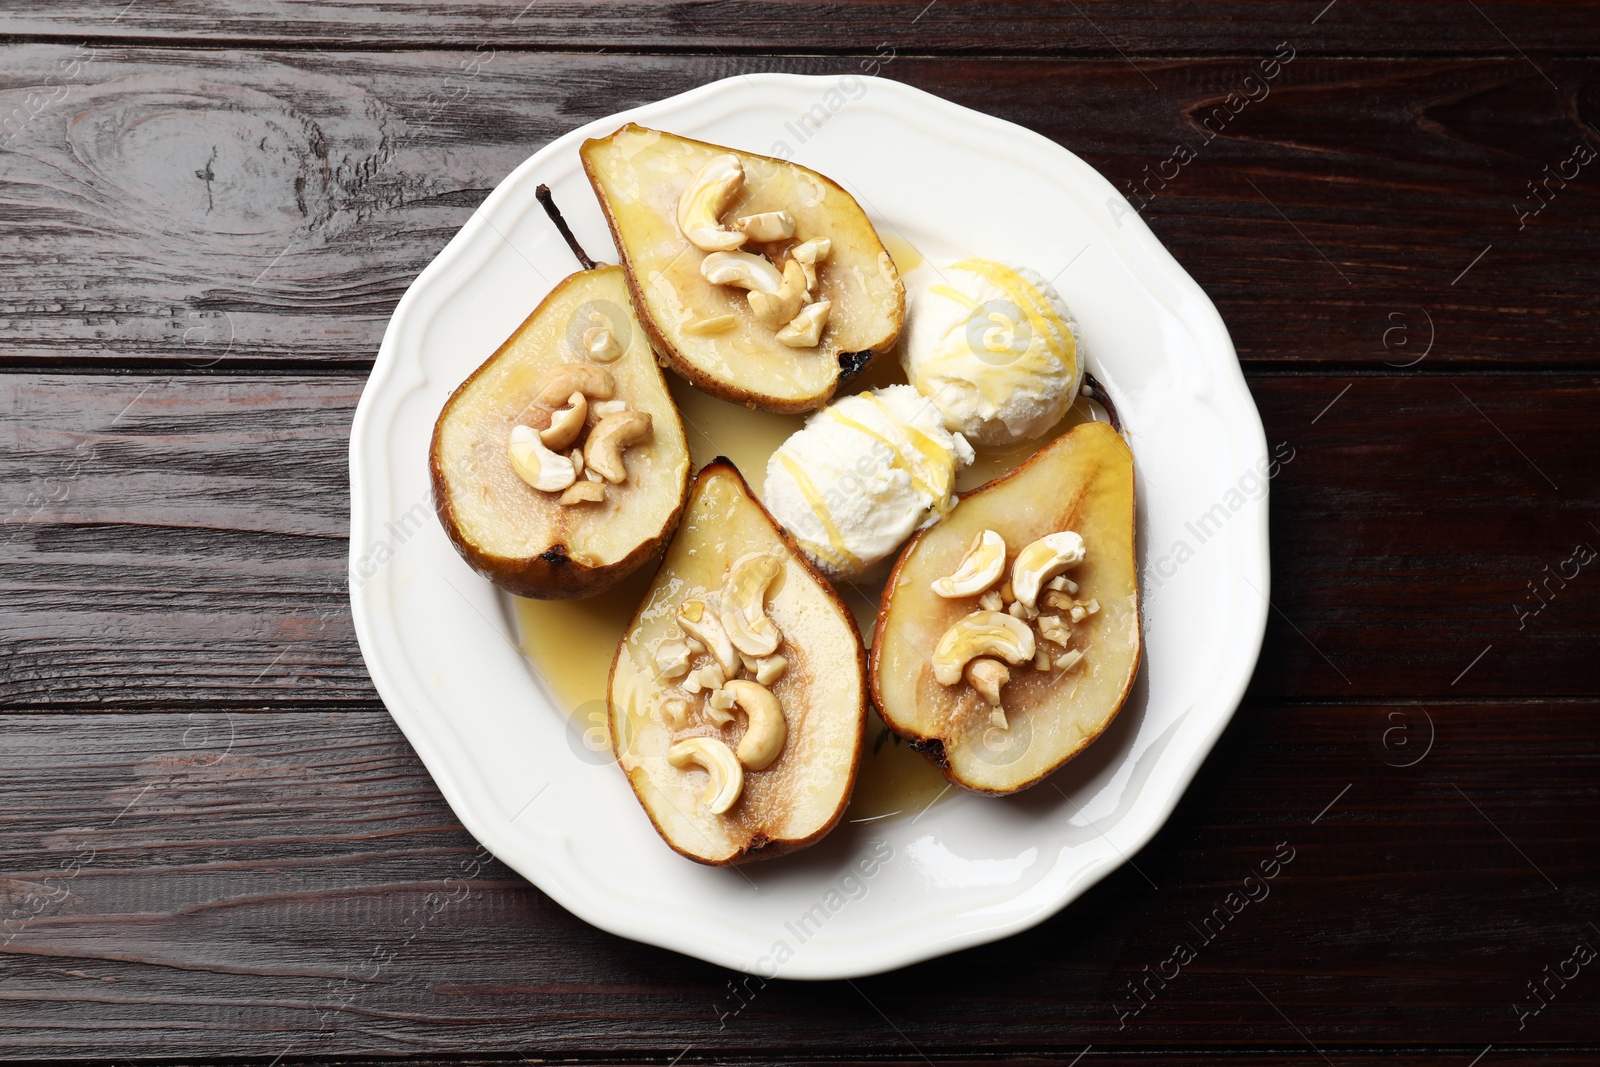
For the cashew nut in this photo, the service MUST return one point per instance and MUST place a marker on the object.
(987, 676)
(699, 620)
(766, 226)
(1043, 560)
(718, 761)
(741, 269)
(779, 307)
(704, 200)
(584, 492)
(980, 567)
(566, 423)
(744, 604)
(982, 633)
(535, 464)
(1069, 659)
(805, 329)
(613, 434)
(568, 378)
(766, 730)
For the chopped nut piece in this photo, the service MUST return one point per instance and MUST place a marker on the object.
(708, 677)
(722, 699)
(805, 329)
(1069, 659)
(770, 668)
(766, 226)
(1057, 600)
(991, 601)
(1041, 658)
(672, 659)
(997, 718)
(1051, 628)
(584, 492)
(1061, 583)
(602, 408)
(674, 712)
(1079, 613)
(808, 254)
(1019, 610)
(707, 327)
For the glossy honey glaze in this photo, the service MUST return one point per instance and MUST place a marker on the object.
(571, 643)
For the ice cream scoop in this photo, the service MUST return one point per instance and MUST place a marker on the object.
(862, 475)
(995, 349)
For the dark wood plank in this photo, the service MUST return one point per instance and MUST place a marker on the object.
(238, 209)
(1088, 28)
(249, 885)
(183, 539)
(189, 531)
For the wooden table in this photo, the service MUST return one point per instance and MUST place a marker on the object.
(219, 848)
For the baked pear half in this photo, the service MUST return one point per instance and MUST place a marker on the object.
(1008, 635)
(760, 281)
(561, 465)
(738, 694)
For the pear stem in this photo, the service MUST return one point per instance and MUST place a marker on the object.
(1092, 389)
(548, 202)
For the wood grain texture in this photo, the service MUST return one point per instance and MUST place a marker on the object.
(1086, 28)
(234, 209)
(249, 885)
(182, 539)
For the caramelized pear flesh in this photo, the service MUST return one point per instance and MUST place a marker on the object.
(525, 539)
(1080, 482)
(786, 801)
(708, 331)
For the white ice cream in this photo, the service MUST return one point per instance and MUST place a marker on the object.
(995, 349)
(863, 475)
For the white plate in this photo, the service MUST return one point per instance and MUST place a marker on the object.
(440, 642)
